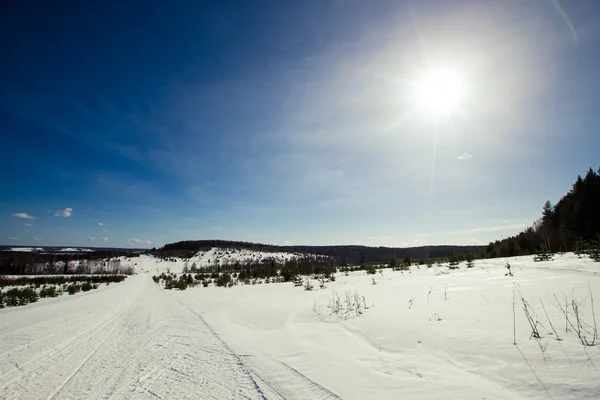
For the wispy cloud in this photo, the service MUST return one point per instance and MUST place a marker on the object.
(493, 228)
(12, 239)
(37, 239)
(139, 242)
(22, 215)
(63, 213)
(28, 224)
(475, 241)
(100, 224)
(464, 157)
(97, 239)
(414, 243)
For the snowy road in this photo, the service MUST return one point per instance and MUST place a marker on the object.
(132, 340)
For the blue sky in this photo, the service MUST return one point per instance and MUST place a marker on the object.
(290, 122)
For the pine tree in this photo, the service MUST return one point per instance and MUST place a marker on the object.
(406, 261)
(469, 258)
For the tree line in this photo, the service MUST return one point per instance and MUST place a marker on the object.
(22, 263)
(342, 254)
(572, 224)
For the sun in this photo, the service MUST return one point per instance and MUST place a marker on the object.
(440, 92)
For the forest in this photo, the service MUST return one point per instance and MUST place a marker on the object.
(572, 224)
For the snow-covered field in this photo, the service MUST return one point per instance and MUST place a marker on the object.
(427, 334)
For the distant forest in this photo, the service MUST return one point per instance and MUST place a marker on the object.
(343, 255)
(573, 224)
(33, 263)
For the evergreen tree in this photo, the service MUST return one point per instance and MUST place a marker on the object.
(393, 263)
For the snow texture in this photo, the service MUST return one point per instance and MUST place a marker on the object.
(425, 334)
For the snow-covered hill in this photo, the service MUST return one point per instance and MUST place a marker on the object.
(215, 256)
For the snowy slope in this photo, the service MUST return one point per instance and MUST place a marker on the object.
(427, 334)
(226, 256)
(215, 256)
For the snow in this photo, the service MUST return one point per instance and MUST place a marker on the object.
(223, 257)
(74, 250)
(427, 334)
(26, 249)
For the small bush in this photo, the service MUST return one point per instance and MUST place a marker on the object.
(370, 269)
(48, 291)
(308, 284)
(11, 297)
(27, 295)
(181, 284)
(86, 286)
(298, 280)
(595, 254)
(223, 280)
(73, 288)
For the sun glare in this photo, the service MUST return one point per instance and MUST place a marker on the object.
(439, 92)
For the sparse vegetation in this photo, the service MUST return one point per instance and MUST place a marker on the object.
(26, 290)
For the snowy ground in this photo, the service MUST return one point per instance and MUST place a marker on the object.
(225, 256)
(427, 334)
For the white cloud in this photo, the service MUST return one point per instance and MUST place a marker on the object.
(12, 239)
(37, 239)
(28, 224)
(104, 230)
(138, 242)
(64, 213)
(97, 239)
(100, 224)
(22, 215)
(409, 244)
(464, 157)
(493, 228)
(475, 241)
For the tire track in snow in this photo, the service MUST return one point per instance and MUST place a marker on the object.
(60, 349)
(287, 382)
(302, 387)
(82, 363)
(207, 377)
(56, 353)
(238, 358)
(27, 345)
